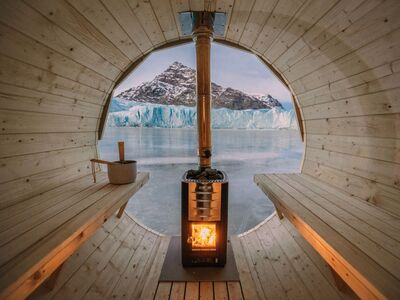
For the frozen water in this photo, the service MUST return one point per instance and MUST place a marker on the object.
(168, 153)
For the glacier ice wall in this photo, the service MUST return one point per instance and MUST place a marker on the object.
(134, 114)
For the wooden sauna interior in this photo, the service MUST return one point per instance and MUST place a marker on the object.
(336, 234)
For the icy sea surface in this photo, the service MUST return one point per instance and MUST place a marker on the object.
(168, 153)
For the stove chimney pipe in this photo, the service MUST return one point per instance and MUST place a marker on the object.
(202, 36)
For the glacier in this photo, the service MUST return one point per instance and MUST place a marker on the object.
(124, 113)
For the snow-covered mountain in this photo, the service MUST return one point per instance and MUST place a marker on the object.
(168, 101)
(125, 113)
(177, 86)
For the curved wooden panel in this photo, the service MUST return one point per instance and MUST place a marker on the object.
(61, 59)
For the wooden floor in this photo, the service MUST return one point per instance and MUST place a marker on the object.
(123, 260)
(275, 262)
(206, 290)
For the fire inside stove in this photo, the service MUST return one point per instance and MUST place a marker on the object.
(204, 237)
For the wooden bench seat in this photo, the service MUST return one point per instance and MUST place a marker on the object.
(359, 241)
(37, 235)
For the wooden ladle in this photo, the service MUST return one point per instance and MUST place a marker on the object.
(119, 172)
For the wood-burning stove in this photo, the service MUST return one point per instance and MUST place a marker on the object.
(204, 191)
(204, 220)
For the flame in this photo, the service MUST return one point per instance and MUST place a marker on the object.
(204, 235)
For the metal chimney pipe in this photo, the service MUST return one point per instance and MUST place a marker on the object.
(202, 36)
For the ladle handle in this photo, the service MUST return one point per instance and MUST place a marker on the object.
(121, 150)
(100, 161)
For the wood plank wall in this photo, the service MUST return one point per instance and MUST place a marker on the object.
(61, 58)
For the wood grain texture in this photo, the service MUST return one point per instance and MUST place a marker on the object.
(75, 24)
(340, 57)
(21, 144)
(357, 256)
(49, 104)
(106, 263)
(23, 18)
(359, 33)
(100, 17)
(20, 74)
(239, 16)
(382, 196)
(46, 245)
(282, 14)
(19, 46)
(178, 291)
(129, 22)
(60, 60)
(165, 17)
(16, 167)
(146, 15)
(29, 186)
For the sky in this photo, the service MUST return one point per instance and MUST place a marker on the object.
(230, 67)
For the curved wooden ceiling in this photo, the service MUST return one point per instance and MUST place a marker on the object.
(60, 60)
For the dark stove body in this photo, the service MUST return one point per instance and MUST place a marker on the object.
(204, 206)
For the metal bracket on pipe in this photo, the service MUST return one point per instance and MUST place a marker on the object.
(187, 20)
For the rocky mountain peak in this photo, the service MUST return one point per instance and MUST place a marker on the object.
(177, 86)
(176, 74)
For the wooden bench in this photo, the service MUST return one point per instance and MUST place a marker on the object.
(37, 235)
(359, 241)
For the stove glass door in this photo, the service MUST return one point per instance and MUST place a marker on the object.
(204, 236)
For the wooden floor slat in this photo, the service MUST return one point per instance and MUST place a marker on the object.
(221, 291)
(81, 281)
(163, 291)
(178, 291)
(206, 290)
(123, 260)
(108, 278)
(129, 281)
(151, 280)
(282, 267)
(234, 291)
(308, 273)
(192, 291)
(269, 280)
(250, 282)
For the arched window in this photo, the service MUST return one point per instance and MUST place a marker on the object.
(254, 130)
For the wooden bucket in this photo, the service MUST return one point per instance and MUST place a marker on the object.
(119, 172)
(122, 172)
